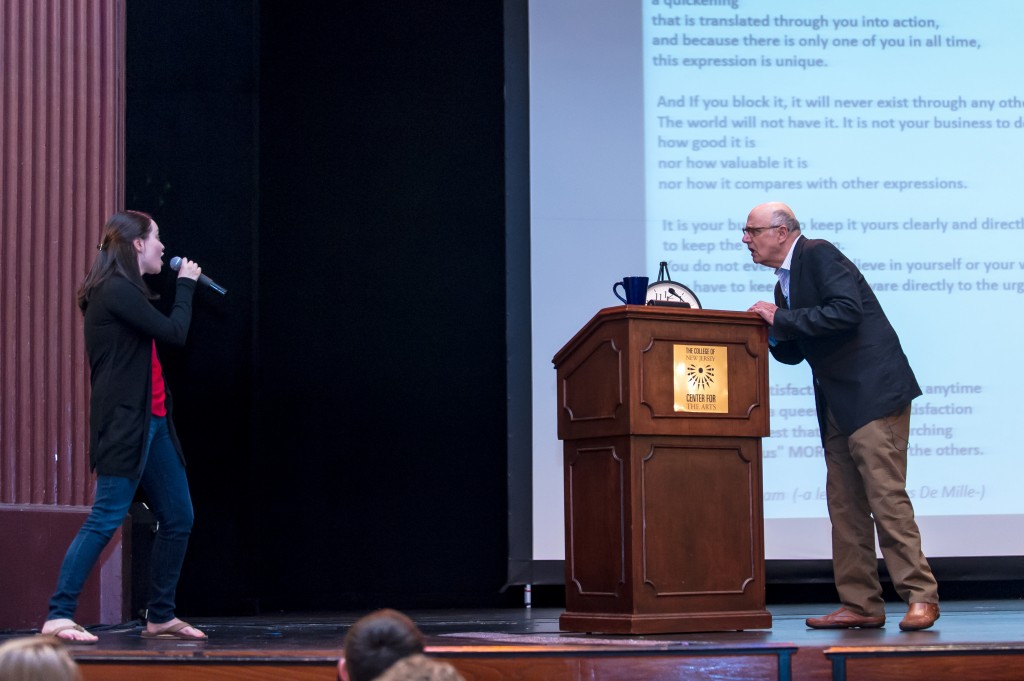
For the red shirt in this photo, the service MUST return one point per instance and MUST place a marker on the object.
(159, 407)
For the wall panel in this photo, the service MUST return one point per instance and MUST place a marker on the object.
(61, 175)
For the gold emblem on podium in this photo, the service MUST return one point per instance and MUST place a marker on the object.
(701, 378)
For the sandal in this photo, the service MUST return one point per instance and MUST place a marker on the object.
(173, 633)
(56, 633)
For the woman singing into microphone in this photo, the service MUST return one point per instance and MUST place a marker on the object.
(131, 436)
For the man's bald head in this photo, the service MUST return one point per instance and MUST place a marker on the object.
(770, 232)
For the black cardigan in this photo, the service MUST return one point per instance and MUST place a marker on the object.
(120, 326)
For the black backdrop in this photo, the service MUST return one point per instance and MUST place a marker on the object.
(339, 168)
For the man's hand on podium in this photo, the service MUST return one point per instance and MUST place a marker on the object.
(766, 310)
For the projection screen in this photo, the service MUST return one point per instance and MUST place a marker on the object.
(894, 130)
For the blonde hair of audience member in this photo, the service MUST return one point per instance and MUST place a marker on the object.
(420, 668)
(37, 658)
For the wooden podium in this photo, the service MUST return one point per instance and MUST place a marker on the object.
(663, 499)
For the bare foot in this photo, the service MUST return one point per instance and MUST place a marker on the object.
(67, 630)
(188, 632)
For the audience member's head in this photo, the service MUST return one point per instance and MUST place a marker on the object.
(376, 642)
(37, 658)
(420, 668)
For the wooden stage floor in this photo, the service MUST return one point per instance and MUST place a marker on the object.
(973, 640)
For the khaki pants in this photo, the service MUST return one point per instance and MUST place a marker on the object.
(867, 492)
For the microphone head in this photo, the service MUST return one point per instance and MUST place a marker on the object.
(175, 263)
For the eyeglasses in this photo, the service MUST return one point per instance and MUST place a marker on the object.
(754, 231)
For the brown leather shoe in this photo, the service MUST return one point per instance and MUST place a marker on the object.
(845, 619)
(920, 616)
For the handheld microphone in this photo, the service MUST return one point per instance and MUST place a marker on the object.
(203, 279)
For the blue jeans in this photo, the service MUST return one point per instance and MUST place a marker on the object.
(166, 487)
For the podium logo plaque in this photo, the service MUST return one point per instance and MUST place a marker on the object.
(701, 378)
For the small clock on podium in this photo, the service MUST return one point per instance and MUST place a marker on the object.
(667, 293)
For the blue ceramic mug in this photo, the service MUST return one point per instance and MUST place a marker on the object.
(635, 289)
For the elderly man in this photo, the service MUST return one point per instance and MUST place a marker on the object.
(825, 313)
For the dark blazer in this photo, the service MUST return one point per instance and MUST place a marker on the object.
(120, 326)
(835, 322)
